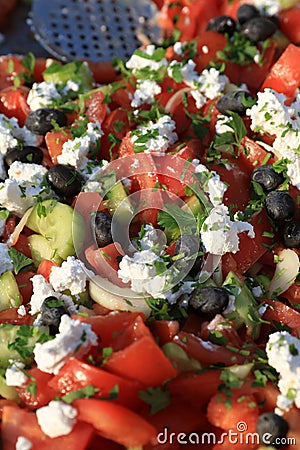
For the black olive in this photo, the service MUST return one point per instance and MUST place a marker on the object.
(64, 180)
(102, 229)
(189, 247)
(222, 24)
(246, 12)
(41, 121)
(258, 29)
(28, 154)
(233, 102)
(267, 177)
(209, 301)
(280, 205)
(52, 310)
(272, 427)
(290, 234)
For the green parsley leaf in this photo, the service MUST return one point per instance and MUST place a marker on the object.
(156, 397)
(86, 392)
(19, 260)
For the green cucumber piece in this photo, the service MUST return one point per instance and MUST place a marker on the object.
(8, 392)
(179, 358)
(41, 249)
(10, 296)
(245, 304)
(116, 198)
(59, 224)
(17, 342)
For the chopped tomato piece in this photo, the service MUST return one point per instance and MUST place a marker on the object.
(115, 422)
(13, 103)
(45, 267)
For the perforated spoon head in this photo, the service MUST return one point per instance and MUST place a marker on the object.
(97, 30)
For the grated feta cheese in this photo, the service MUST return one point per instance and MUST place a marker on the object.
(22, 311)
(161, 135)
(71, 275)
(211, 183)
(42, 95)
(219, 234)
(283, 352)
(14, 375)
(23, 443)
(73, 337)
(137, 62)
(145, 93)
(23, 172)
(57, 418)
(41, 290)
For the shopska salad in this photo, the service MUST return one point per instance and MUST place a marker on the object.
(150, 230)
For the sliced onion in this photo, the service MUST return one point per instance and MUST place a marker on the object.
(286, 271)
(175, 100)
(13, 238)
(116, 298)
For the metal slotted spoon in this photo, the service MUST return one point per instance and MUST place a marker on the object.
(97, 30)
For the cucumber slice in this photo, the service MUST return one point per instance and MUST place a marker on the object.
(8, 392)
(10, 296)
(59, 224)
(17, 342)
(41, 249)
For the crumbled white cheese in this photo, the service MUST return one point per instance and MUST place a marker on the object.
(14, 375)
(283, 352)
(23, 172)
(74, 151)
(57, 418)
(42, 95)
(23, 443)
(11, 133)
(219, 234)
(212, 83)
(5, 260)
(161, 135)
(270, 114)
(199, 98)
(211, 183)
(140, 271)
(179, 48)
(41, 290)
(145, 93)
(137, 62)
(74, 336)
(22, 311)
(71, 275)
(269, 7)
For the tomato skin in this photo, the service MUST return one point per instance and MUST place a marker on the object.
(164, 330)
(55, 141)
(13, 103)
(189, 387)
(143, 361)
(11, 316)
(206, 353)
(95, 109)
(289, 23)
(25, 285)
(102, 71)
(284, 76)
(283, 314)
(19, 422)
(45, 267)
(44, 393)
(23, 246)
(76, 374)
(226, 419)
(208, 44)
(10, 66)
(115, 422)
